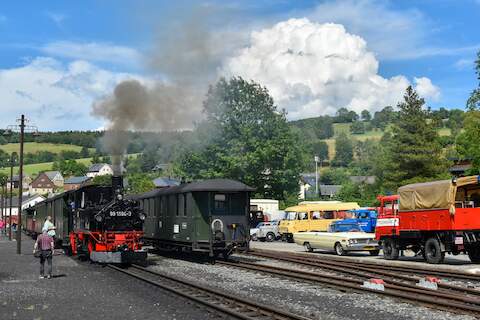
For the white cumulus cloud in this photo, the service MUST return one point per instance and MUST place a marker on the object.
(426, 89)
(314, 69)
(54, 95)
(93, 51)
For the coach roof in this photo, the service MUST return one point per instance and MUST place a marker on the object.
(220, 185)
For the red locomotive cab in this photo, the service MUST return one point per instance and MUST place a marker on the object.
(388, 220)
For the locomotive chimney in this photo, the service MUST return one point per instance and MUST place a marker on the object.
(117, 178)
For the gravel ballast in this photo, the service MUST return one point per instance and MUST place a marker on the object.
(310, 300)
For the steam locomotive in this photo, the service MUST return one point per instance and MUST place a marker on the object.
(94, 222)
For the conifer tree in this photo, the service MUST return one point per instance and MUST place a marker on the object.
(414, 153)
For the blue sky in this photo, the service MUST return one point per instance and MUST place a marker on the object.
(59, 57)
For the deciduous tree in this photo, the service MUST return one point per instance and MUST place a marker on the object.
(252, 141)
(343, 150)
(473, 103)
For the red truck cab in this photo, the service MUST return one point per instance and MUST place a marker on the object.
(432, 219)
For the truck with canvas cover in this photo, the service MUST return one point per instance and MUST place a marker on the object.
(432, 219)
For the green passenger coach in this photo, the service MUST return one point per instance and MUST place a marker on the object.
(209, 216)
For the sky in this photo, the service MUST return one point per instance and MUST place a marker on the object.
(59, 59)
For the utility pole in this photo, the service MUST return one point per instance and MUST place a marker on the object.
(20, 187)
(316, 176)
(23, 127)
(1, 208)
(12, 162)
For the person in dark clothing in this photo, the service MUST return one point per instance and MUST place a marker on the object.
(45, 244)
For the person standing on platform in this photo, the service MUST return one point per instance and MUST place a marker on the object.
(49, 227)
(45, 245)
(2, 225)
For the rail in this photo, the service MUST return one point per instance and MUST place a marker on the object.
(223, 302)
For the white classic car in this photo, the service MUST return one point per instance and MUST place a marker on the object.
(340, 242)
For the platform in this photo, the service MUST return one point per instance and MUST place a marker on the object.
(78, 290)
(460, 262)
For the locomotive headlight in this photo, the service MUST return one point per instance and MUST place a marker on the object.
(98, 218)
(119, 197)
(142, 216)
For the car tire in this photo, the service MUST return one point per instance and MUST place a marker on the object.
(433, 251)
(270, 237)
(339, 249)
(390, 249)
(474, 254)
(308, 247)
(374, 252)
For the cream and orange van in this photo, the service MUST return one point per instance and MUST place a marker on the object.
(313, 217)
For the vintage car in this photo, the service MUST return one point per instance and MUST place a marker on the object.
(314, 217)
(268, 231)
(339, 242)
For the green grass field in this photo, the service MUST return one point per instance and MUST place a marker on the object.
(373, 134)
(34, 147)
(34, 169)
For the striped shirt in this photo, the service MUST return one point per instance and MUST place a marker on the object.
(44, 242)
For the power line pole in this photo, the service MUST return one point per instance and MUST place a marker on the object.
(1, 208)
(23, 127)
(316, 175)
(20, 187)
(12, 162)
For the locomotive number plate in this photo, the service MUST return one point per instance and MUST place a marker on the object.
(120, 213)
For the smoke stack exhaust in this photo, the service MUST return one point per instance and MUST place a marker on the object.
(117, 184)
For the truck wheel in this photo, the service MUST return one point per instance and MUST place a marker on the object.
(433, 251)
(474, 254)
(374, 252)
(270, 237)
(308, 247)
(390, 249)
(339, 249)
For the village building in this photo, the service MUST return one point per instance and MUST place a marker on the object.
(15, 182)
(27, 202)
(56, 177)
(164, 182)
(42, 184)
(73, 183)
(99, 169)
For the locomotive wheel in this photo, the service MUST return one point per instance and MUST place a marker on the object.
(339, 249)
(390, 249)
(433, 251)
(270, 237)
(474, 254)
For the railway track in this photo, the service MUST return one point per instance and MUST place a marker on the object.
(395, 271)
(219, 301)
(447, 298)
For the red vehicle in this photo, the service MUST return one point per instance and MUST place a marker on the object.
(432, 218)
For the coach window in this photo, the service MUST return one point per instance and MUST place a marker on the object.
(181, 205)
(152, 207)
(185, 205)
(220, 201)
(146, 207)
